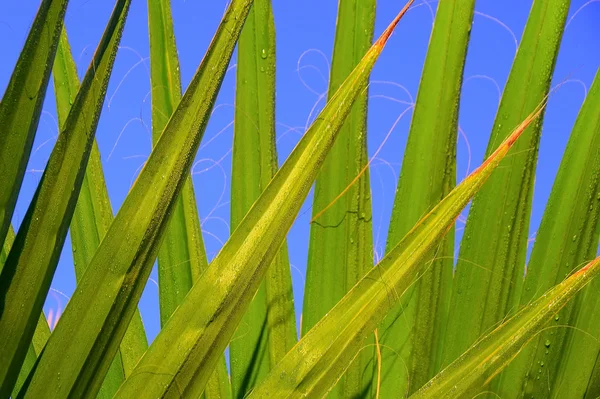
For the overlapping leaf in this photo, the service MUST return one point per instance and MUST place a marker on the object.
(313, 366)
(412, 336)
(568, 237)
(93, 215)
(268, 329)
(185, 352)
(30, 265)
(42, 331)
(21, 107)
(182, 257)
(490, 265)
(82, 346)
(341, 237)
(464, 376)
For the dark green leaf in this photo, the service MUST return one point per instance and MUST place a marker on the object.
(30, 266)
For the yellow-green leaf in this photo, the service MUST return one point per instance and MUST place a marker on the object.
(319, 360)
(466, 375)
(185, 352)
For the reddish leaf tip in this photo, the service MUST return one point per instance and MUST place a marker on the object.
(388, 32)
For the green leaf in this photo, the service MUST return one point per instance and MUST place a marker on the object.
(20, 111)
(568, 237)
(268, 329)
(182, 257)
(40, 337)
(412, 335)
(8, 242)
(593, 388)
(88, 334)
(42, 331)
(32, 260)
(92, 217)
(341, 237)
(489, 271)
(318, 361)
(464, 377)
(181, 358)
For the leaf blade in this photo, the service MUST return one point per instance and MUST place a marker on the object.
(341, 237)
(567, 237)
(268, 328)
(461, 378)
(206, 320)
(42, 330)
(313, 366)
(92, 217)
(496, 232)
(106, 298)
(21, 105)
(414, 331)
(33, 258)
(182, 257)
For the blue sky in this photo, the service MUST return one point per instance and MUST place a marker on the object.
(305, 33)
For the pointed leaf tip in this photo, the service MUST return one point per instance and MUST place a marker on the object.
(514, 136)
(380, 43)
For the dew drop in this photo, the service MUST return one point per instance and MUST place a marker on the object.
(263, 54)
(547, 343)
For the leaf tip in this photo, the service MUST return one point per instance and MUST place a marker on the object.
(380, 43)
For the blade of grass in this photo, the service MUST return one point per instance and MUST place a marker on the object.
(341, 238)
(92, 217)
(30, 266)
(204, 323)
(464, 377)
(88, 334)
(412, 335)
(20, 111)
(321, 357)
(268, 329)
(568, 237)
(182, 257)
(491, 261)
